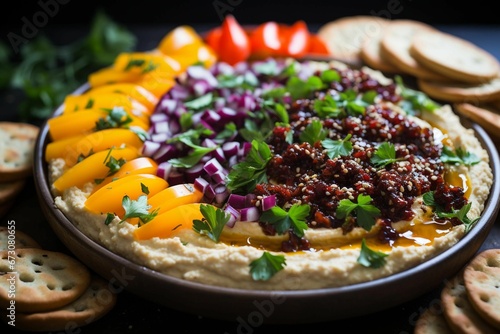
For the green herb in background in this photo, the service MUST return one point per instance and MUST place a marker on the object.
(46, 73)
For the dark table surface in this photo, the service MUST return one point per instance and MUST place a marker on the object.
(134, 314)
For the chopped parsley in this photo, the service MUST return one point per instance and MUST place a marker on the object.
(117, 117)
(459, 157)
(245, 175)
(414, 101)
(313, 132)
(265, 267)
(370, 258)
(135, 208)
(282, 220)
(439, 211)
(384, 155)
(337, 148)
(213, 221)
(366, 213)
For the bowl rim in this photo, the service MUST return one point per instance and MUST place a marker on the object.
(481, 228)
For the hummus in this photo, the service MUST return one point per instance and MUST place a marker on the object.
(331, 258)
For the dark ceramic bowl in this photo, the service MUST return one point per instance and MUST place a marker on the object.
(289, 307)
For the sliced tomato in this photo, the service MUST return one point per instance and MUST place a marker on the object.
(212, 38)
(317, 46)
(234, 44)
(294, 40)
(265, 40)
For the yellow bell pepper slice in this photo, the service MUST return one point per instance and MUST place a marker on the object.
(145, 62)
(73, 150)
(173, 196)
(170, 222)
(109, 199)
(90, 100)
(69, 124)
(195, 53)
(132, 90)
(92, 168)
(110, 75)
(156, 83)
(139, 165)
(177, 38)
(55, 149)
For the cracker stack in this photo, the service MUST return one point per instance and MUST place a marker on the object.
(470, 301)
(17, 142)
(447, 68)
(53, 291)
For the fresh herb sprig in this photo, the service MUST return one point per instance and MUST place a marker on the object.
(459, 157)
(46, 73)
(371, 258)
(282, 220)
(337, 148)
(384, 155)
(213, 221)
(414, 101)
(245, 175)
(265, 267)
(366, 213)
(461, 214)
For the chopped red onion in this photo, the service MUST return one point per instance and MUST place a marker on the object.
(268, 202)
(249, 214)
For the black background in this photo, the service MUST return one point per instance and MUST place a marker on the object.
(79, 12)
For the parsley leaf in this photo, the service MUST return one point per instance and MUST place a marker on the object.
(313, 132)
(369, 257)
(138, 209)
(117, 117)
(265, 267)
(46, 73)
(461, 214)
(282, 220)
(213, 221)
(201, 102)
(414, 101)
(459, 157)
(191, 138)
(245, 175)
(366, 213)
(336, 148)
(384, 155)
(300, 89)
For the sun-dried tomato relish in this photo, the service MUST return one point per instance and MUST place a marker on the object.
(303, 173)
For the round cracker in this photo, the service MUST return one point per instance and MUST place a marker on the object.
(19, 239)
(486, 116)
(345, 36)
(458, 311)
(432, 321)
(482, 280)
(370, 54)
(9, 190)
(92, 305)
(461, 92)
(454, 57)
(17, 142)
(395, 47)
(44, 280)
